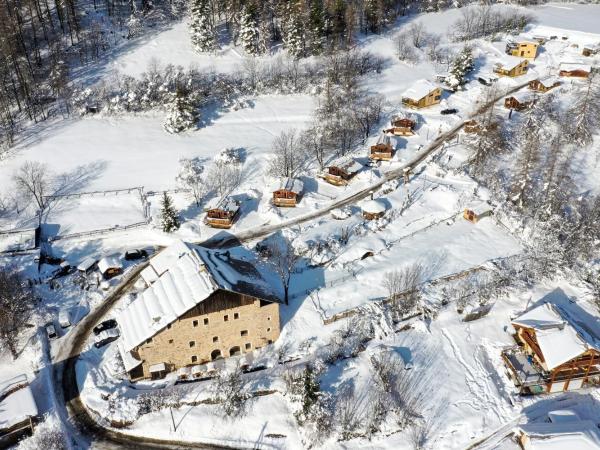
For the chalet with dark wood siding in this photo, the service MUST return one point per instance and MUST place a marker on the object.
(574, 70)
(402, 125)
(199, 306)
(339, 173)
(544, 84)
(383, 150)
(554, 352)
(287, 192)
(223, 214)
(519, 101)
(471, 126)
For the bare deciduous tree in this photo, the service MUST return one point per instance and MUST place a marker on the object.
(16, 303)
(33, 182)
(403, 287)
(282, 256)
(290, 155)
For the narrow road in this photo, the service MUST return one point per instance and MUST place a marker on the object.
(86, 431)
(225, 239)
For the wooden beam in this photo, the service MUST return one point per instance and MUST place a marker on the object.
(587, 371)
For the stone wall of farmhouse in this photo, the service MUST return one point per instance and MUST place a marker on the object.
(227, 322)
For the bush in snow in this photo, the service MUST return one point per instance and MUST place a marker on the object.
(182, 114)
(191, 176)
(157, 400)
(231, 392)
(48, 434)
(16, 305)
(202, 30)
(461, 66)
(169, 219)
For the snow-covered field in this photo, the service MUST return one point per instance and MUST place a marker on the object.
(471, 397)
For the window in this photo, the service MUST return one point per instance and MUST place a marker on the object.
(216, 339)
(244, 333)
(225, 318)
(206, 321)
(192, 344)
(194, 358)
(269, 341)
(215, 354)
(248, 346)
(236, 315)
(235, 351)
(269, 318)
(268, 330)
(195, 323)
(170, 341)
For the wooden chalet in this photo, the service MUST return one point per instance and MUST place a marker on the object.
(223, 214)
(287, 193)
(519, 101)
(421, 95)
(198, 306)
(562, 429)
(555, 351)
(511, 66)
(475, 214)
(522, 49)
(544, 84)
(590, 50)
(383, 150)
(402, 125)
(339, 173)
(110, 266)
(471, 126)
(574, 70)
(373, 209)
(18, 410)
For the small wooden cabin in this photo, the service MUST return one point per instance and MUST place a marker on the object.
(403, 125)
(474, 215)
(422, 94)
(339, 173)
(511, 66)
(522, 49)
(519, 101)
(373, 209)
(544, 84)
(590, 50)
(471, 126)
(383, 150)
(223, 214)
(110, 266)
(18, 410)
(574, 70)
(288, 192)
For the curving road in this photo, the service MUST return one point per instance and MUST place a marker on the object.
(84, 429)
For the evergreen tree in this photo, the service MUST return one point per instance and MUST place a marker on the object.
(461, 66)
(316, 26)
(373, 16)
(169, 219)
(182, 113)
(249, 29)
(202, 31)
(525, 171)
(294, 39)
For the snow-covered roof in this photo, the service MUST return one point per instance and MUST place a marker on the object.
(85, 265)
(18, 405)
(523, 96)
(419, 89)
(591, 46)
(572, 66)
(187, 275)
(373, 207)
(404, 115)
(110, 262)
(557, 338)
(384, 139)
(563, 415)
(160, 367)
(549, 81)
(349, 165)
(289, 184)
(509, 62)
(17, 240)
(580, 435)
(129, 361)
(225, 204)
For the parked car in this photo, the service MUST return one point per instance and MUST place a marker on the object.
(106, 337)
(62, 270)
(106, 325)
(132, 255)
(64, 318)
(51, 331)
(487, 80)
(447, 111)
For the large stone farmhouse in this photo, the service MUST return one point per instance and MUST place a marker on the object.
(200, 305)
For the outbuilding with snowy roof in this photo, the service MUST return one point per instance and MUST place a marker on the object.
(287, 192)
(422, 94)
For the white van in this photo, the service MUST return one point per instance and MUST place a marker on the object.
(64, 318)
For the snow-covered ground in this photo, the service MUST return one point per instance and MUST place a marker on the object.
(470, 395)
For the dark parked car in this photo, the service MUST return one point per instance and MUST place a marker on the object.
(132, 255)
(106, 337)
(106, 325)
(62, 270)
(449, 111)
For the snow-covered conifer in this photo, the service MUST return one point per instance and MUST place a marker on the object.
(202, 30)
(249, 30)
(461, 66)
(169, 220)
(182, 113)
(316, 27)
(295, 38)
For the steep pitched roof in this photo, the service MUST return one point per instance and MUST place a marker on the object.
(419, 89)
